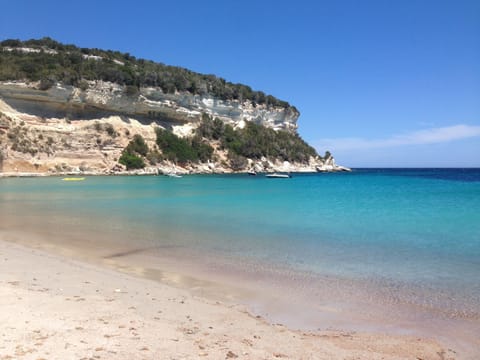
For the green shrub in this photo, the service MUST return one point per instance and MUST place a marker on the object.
(138, 145)
(83, 85)
(154, 157)
(204, 151)
(131, 161)
(181, 150)
(131, 90)
(133, 152)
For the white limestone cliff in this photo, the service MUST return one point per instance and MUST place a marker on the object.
(149, 104)
(62, 130)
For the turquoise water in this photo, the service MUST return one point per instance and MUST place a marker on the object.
(414, 231)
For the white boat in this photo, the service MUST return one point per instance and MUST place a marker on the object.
(173, 175)
(252, 172)
(276, 175)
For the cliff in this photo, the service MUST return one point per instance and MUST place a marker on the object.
(99, 99)
(42, 134)
(70, 110)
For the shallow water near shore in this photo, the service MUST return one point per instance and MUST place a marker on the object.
(395, 250)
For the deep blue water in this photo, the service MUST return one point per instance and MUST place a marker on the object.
(408, 226)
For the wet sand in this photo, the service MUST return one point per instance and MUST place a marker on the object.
(54, 307)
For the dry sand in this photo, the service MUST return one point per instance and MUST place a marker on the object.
(53, 307)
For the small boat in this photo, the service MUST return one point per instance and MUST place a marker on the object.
(73, 179)
(173, 175)
(252, 173)
(276, 175)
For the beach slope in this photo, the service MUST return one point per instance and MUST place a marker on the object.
(57, 308)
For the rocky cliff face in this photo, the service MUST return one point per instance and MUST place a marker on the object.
(99, 99)
(70, 130)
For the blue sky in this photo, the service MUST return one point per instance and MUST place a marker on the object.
(379, 83)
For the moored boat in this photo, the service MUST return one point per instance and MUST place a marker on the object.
(280, 176)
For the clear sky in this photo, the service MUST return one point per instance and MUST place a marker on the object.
(378, 83)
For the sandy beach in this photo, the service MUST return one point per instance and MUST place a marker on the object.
(53, 307)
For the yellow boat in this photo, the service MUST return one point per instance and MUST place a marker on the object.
(73, 179)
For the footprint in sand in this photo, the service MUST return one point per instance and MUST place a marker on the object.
(247, 342)
(231, 355)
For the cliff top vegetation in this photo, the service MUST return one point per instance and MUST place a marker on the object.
(49, 61)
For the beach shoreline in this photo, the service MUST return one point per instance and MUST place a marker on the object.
(58, 307)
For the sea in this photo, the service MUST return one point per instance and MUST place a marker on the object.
(390, 250)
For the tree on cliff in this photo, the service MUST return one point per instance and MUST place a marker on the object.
(132, 154)
(131, 161)
(182, 150)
